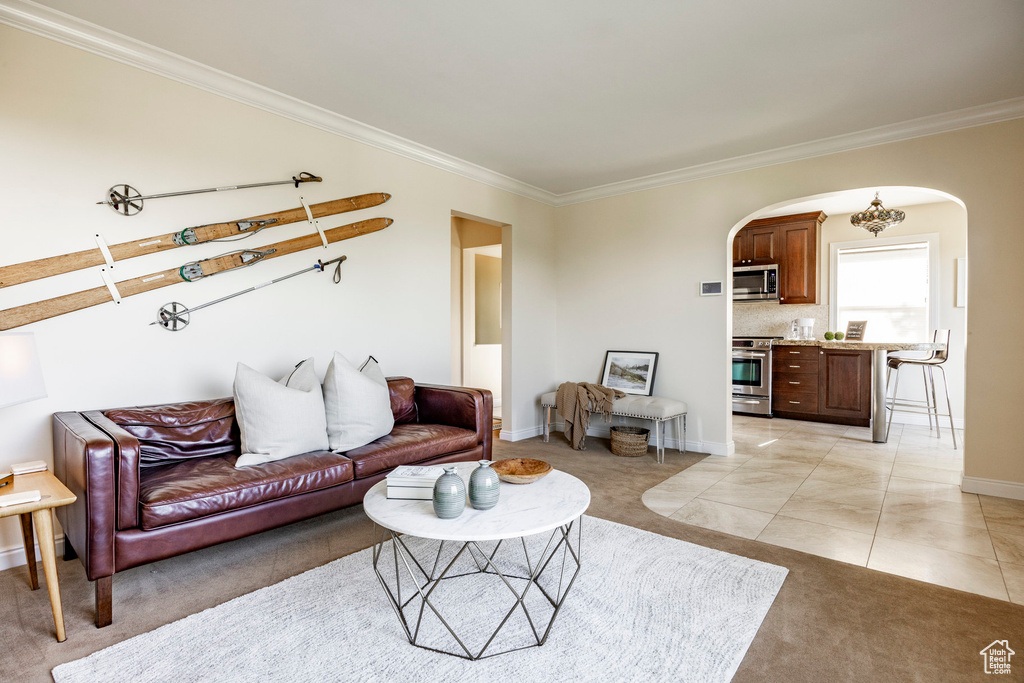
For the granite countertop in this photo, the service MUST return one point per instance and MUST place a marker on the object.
(860, 345)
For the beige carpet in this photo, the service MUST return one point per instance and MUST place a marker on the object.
(644, 607)
(829, 621)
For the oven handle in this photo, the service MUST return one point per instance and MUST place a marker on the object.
(748, 354)
(749, 402)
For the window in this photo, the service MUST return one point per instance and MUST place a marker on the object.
(888, 282)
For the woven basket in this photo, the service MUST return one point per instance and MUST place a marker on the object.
(630, 442)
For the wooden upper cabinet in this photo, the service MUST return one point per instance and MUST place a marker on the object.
(755, 246)
(739, 248)
(798, 271)
(764, 245)
(792, 242)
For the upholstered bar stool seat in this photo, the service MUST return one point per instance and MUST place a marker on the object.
(655, 408)
(928, 363)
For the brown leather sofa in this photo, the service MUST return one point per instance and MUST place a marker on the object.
(158, 481)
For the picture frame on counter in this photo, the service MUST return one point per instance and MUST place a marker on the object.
(630, 371)
(855, 330)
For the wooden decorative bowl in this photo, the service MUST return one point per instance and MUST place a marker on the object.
(521, 470)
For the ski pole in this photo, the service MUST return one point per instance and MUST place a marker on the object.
(126, 200)
(175, 316)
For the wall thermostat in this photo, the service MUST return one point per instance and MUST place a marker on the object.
(711, 288)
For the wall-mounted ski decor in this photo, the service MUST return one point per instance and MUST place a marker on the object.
(190, 272)
(55, 265)
(127, 201)
(175, 316)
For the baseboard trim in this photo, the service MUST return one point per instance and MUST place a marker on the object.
(992, 487)
(520, 434)
(15, 557)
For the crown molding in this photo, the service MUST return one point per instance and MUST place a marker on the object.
(64, 28)
(906, 130)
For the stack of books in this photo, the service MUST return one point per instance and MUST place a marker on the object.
(410, 482)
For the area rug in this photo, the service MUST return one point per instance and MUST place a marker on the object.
(644, 607)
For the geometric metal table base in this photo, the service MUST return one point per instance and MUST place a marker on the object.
(421, 593)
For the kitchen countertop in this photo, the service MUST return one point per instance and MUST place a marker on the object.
(860, 345)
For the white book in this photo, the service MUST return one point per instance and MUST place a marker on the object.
(27, 467)
(411, 475)
(410, 493)
(19, 498)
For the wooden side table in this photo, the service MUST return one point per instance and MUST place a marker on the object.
(54, 494)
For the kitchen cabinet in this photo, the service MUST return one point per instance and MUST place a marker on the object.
(793, 242)
(756, 246)
(844, 385)
(795, 379)
(821, 384)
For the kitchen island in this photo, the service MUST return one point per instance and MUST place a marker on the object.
(879, 352)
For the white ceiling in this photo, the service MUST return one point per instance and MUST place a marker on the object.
(574, 94)
(852, 201)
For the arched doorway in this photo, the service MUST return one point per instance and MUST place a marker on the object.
(935, 220)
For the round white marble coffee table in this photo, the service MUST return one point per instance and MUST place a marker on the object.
(424, 550)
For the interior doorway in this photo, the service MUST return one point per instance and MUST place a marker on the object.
(479, 291)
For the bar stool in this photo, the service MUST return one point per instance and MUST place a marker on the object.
(930, 404)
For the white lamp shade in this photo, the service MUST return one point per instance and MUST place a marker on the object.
(21, 375)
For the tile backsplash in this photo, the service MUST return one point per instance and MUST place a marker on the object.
(771, 319)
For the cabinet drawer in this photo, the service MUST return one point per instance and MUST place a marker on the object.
(796, 382)
(796, 400)
(794, 366)
(795, 353)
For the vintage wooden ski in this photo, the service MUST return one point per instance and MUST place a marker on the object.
(190, 272)
(19, 273)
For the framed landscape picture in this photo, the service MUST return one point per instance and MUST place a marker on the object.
(630, 371)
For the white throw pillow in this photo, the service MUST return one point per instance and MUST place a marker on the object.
(279, 419)
(358, 404)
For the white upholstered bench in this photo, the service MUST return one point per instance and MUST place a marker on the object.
(654, 408)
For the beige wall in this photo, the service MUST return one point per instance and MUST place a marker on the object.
(613, 273)
(488, 299)
(629, 267)
(72, 124)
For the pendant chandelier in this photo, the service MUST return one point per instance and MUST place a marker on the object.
(877, 218)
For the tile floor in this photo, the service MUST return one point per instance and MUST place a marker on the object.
(829, 491)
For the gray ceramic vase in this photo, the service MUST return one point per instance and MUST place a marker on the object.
(484, 486)
(449, 494)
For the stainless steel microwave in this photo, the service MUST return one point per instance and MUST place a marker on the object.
(755, 283)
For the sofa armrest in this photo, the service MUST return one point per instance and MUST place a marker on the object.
(85, 459)
(127, 451)
(458, 407)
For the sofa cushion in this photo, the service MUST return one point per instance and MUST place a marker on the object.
(403, 399)
(358, 403)
(171, 433)
(279, 419)
(201, 487)
(407, 444)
